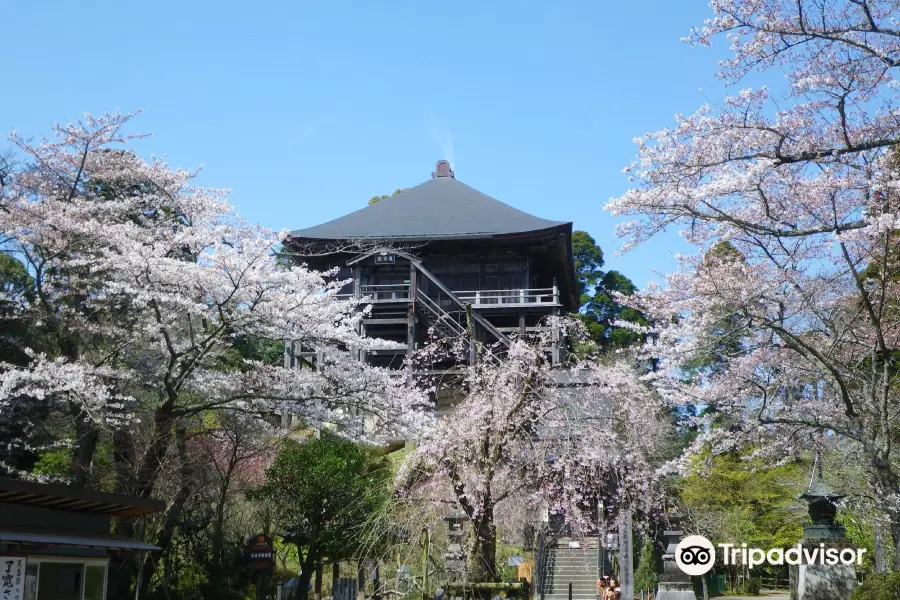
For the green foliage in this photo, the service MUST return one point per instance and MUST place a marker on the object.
(588, 262)
(327, 490)
(504, 553)
(724, 339)
(645, 576)
(753, 586)
(15, 335)
(53, 464)
(599, 308)
(270, 352)
(377, 199)
(744, 499)
(884, 586)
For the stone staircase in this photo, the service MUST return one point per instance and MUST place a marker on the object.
(565, 565)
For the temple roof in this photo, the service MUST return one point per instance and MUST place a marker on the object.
(442, 207)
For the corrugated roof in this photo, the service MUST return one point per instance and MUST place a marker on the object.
(440, 207)
(62, 538)
(63, 497)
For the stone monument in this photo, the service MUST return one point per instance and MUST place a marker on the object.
(674, 584)
(822, 581)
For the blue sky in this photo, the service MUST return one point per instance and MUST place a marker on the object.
(307, 109)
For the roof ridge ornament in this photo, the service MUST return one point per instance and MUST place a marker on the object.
(442, 169)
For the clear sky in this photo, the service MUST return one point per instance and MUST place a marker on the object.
(307, 109)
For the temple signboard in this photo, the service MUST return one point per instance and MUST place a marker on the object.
(261, 553)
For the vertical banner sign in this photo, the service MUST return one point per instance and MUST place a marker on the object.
(12, 577)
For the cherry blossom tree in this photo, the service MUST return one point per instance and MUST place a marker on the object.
(142, 283)
(803, 185)
(524, 436)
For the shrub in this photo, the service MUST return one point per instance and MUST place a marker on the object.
(753, 586)
(884, 586)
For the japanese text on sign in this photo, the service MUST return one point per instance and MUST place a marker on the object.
(12, 577)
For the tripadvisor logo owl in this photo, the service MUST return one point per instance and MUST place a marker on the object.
(695, 555)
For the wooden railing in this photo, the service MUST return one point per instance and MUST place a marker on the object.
(478, 298)
(389, 292)
(520, 297)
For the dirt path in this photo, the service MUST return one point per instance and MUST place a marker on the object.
(766, 595)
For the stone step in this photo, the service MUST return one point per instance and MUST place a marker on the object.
(571, 560)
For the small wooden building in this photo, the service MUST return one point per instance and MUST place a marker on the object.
(55, 540)
(426, 256)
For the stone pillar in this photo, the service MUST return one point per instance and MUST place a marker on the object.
(626, 555)
(674, 584)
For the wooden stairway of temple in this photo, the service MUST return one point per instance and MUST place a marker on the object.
(459, 313)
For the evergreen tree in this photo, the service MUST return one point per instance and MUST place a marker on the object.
(645, 577)
(599, 306)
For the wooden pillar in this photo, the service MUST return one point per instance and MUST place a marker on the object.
(411, 311)
(554, 336)
(290, 361)
(521, 323)
(335, 575)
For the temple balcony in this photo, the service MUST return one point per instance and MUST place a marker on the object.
(509, 298)
(525, 297)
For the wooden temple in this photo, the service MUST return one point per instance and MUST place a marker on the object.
(443, 255)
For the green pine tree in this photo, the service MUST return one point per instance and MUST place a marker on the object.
(645, 578)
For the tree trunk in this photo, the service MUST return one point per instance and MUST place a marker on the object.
(483, 550)
(173, 515)
(218, 541)
(888, 479)
(307, 569)
(86, 436)
(895, 536)
(318, 586)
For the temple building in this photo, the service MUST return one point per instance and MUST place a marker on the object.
(444, 255)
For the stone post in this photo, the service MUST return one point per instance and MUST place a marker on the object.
(626, 555)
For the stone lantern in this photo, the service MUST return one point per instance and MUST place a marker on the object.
(822, 501)
(674, 584)
(455, 557)
(822, 532)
